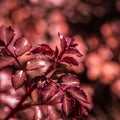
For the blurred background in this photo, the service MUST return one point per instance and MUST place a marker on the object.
(95, 24)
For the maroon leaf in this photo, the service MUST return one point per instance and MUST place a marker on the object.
(56, 51)
(48, 91)
(43, 49)
(69, 80)
(66, 105)
(78, 93)
(70, 60)
(35, 64)
(70, 41)
(63, 41)
(18, 79)
(9, 34)
(6, 60)
(77, 108)
(6, 34)
(22, 45)
(73, 51)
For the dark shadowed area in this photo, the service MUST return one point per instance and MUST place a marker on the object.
(95, 25)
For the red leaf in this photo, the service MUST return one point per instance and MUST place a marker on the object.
(6, 34)
(43, 49)
(22, 45)
(48, 91)
(70, 41)
(63, 41)
(9, 34)
(70, 80)
(18, 79)
(70, 60)
(73, 51)
(77, 108)
(35, 64)
(56, 51)
(6, 60)
(66, 105)
(78, 93)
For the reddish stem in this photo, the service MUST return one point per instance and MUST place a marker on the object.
(18, 107)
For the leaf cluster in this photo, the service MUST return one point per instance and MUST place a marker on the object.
(59, 91)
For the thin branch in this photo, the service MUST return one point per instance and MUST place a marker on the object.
(18, 107)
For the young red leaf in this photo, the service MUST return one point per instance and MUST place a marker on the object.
(56, 51)
(63, 41)
(43, 49)
(48, 91)
(66, 105)
(78, 93)
(70, 41)
(73, 51)
(70, 60)
(6, 60)
(6, 34)
(21, 46)
(18, 79)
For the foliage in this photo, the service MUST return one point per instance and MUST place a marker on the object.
(53, 86)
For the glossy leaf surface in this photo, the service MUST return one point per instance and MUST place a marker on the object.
(70, 41)
(18, 79)
(63, 42)
(35, 64)
(21, 46)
